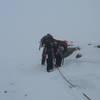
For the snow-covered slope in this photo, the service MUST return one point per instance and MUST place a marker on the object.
(26, 79)
(23, 23)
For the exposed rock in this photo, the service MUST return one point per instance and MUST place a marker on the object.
(89, 44)
(98, 46)
(78, 55)
(25, 95)
(5, 91)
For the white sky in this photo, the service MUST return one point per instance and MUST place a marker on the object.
(24, 21)
(49, 15)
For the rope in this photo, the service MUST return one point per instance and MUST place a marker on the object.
(85, 95)
(72, 85)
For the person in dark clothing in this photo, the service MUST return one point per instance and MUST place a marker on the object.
(53, 51)
(45, 40)
(50, 57)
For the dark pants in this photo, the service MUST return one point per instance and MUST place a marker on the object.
(49, 64)
(49, 59)
(58, 60)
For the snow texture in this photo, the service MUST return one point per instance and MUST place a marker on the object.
(23, 23)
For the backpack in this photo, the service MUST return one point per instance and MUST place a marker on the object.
(63, 43)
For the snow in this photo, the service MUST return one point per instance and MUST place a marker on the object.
(23, 23)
